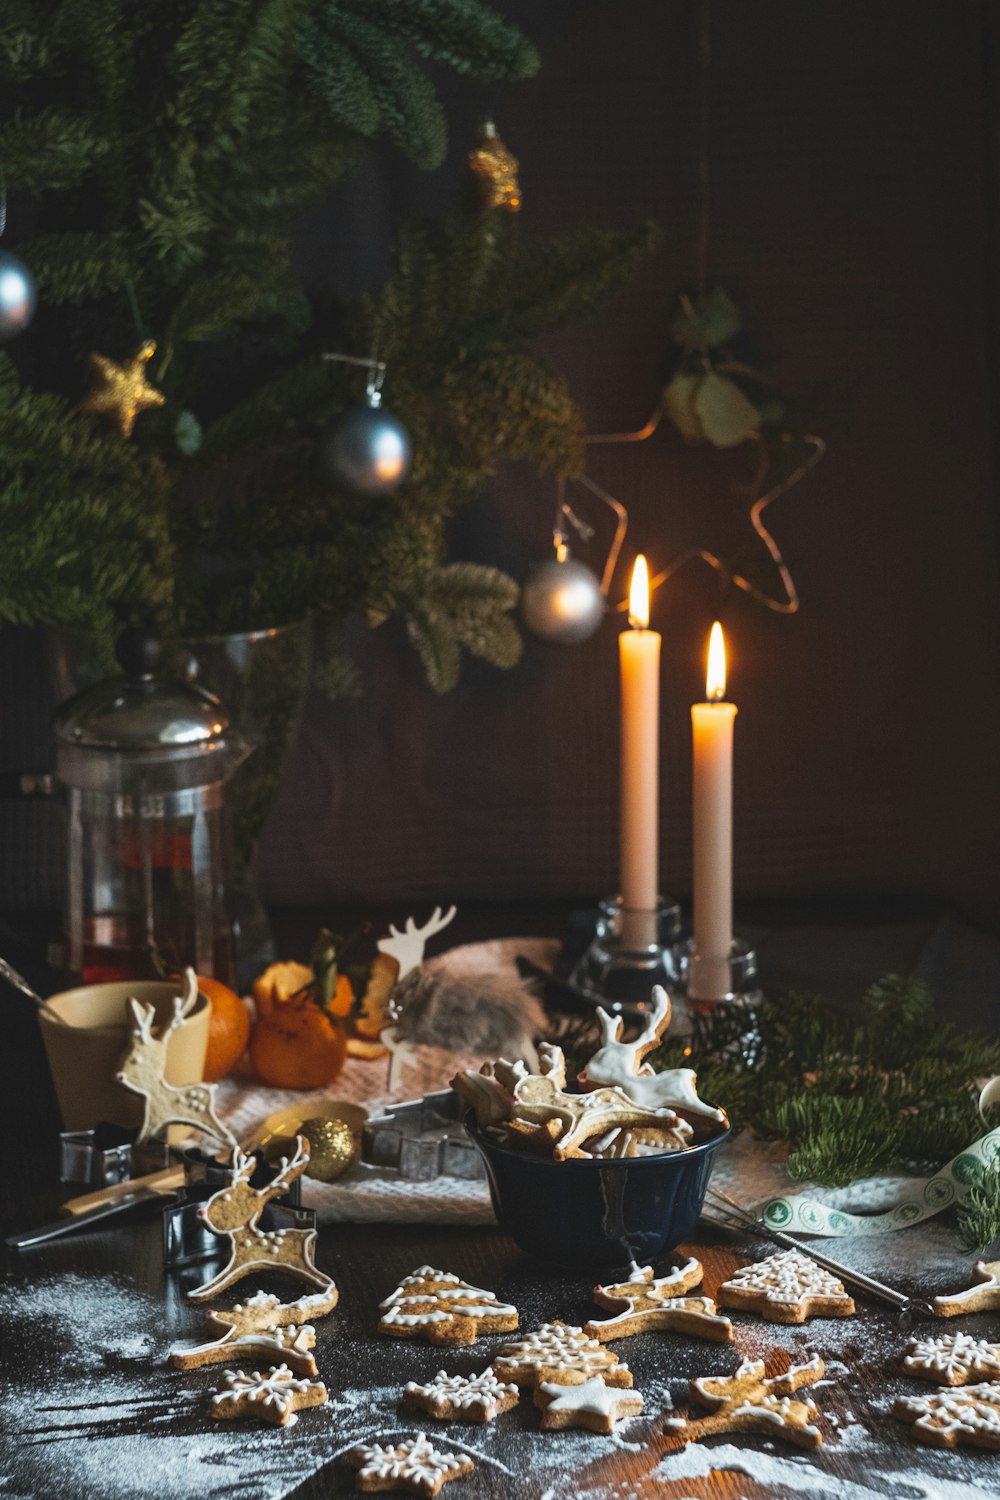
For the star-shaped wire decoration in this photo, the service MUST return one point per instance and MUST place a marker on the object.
(121, 390)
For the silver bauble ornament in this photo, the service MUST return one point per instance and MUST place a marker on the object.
(18, 296)
(562, 601)
(366, 450)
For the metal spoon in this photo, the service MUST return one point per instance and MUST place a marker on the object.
(19, 982)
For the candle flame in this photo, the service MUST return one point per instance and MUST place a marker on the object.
(638, 597)
(715, 678)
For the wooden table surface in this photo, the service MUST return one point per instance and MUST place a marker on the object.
(89, 1407)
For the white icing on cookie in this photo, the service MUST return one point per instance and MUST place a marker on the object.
(454, 1299)
(417, 1463)
(973, 1410)
(591, 1396)
(618, 1064)
(952, 1358)
(464, 1391)
(277, 1389)
(788, 1277)
(557, 1345)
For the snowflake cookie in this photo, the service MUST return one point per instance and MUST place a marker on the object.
(943, 1419)
(982, 1296)
(747, 1402)
(462, 1398)
(438, 1307)
(275, 1397)
(786, 1288)
(591, 1404)
(416, 1466)
(559, 1353)
(644, 1303)
(952, 1359)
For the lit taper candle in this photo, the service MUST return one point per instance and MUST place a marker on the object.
(639, 651)
(710, 975)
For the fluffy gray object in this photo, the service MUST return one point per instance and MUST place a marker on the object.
(488, 1016)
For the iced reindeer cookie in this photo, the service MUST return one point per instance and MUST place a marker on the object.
(561, 1354)
(747, 1402)
(462, 1398)
(952, 1359)
(645, 1303)
(274, 1397)
(416, 1466)
(786, 1288)
(982, 1296)
(233, 1213)
(592, 1405)
(944, 1419)
(289, 1344)
(441, 1309)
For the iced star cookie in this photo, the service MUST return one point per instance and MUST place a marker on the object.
(982, 1296)
(747, 1402)
(944, 1419)
(591, 1404)
(561, 1354)
(276, 1397)
(952, 1359)
(786, 1288)
(415, 1466)
(644, 1303)
(462, 1398)
(440, 1308)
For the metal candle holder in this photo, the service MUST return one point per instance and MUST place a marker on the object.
(630, 952)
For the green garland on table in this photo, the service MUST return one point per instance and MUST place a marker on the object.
(893, 1088)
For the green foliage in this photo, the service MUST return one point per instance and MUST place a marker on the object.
(979, 1216)
(893, 1088)
(170, 150)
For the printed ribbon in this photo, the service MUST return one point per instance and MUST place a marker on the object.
(927, 1196)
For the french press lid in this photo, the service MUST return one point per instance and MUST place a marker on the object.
(143, 731)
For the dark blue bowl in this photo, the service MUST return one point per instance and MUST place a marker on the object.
(597, 1213)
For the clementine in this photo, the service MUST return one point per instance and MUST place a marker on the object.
(228, 1029)
(295, 1045)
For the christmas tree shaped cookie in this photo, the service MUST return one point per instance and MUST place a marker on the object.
(442, 1309)
(559, 1353)
(786, 1288)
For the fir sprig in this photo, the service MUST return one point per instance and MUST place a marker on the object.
(852, 1095)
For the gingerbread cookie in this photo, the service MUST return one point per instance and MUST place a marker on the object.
(233, 1213)
(462, 1398)
(276, 1397)
(572, 1119)
(943, 1419)
(622, 1065)
(438, 1307)
(291, 1344)
(982, 1296)
(786, 1288)
(747, 1402)
(591, 1404)
(142, 1072)
(644, 1303)
(416, 1466)
(264, 1311)
(952, 1359)
(561, 1354)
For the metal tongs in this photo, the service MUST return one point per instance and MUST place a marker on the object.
(728, 1214)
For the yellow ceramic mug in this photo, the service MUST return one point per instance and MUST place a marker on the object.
(86, 1054)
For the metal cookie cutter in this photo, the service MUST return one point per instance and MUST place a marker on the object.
(186, 1239)
(423, 1139)
(97, 1158)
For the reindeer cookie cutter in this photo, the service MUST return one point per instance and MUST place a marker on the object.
(189, 1239)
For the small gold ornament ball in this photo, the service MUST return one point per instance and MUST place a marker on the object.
(496, 169)
(331, 1148)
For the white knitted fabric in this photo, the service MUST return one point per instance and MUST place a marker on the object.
(366, 1194)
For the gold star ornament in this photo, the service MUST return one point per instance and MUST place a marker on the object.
(121, 390)
(496, 170)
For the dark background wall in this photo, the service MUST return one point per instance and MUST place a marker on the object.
(853, 181)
